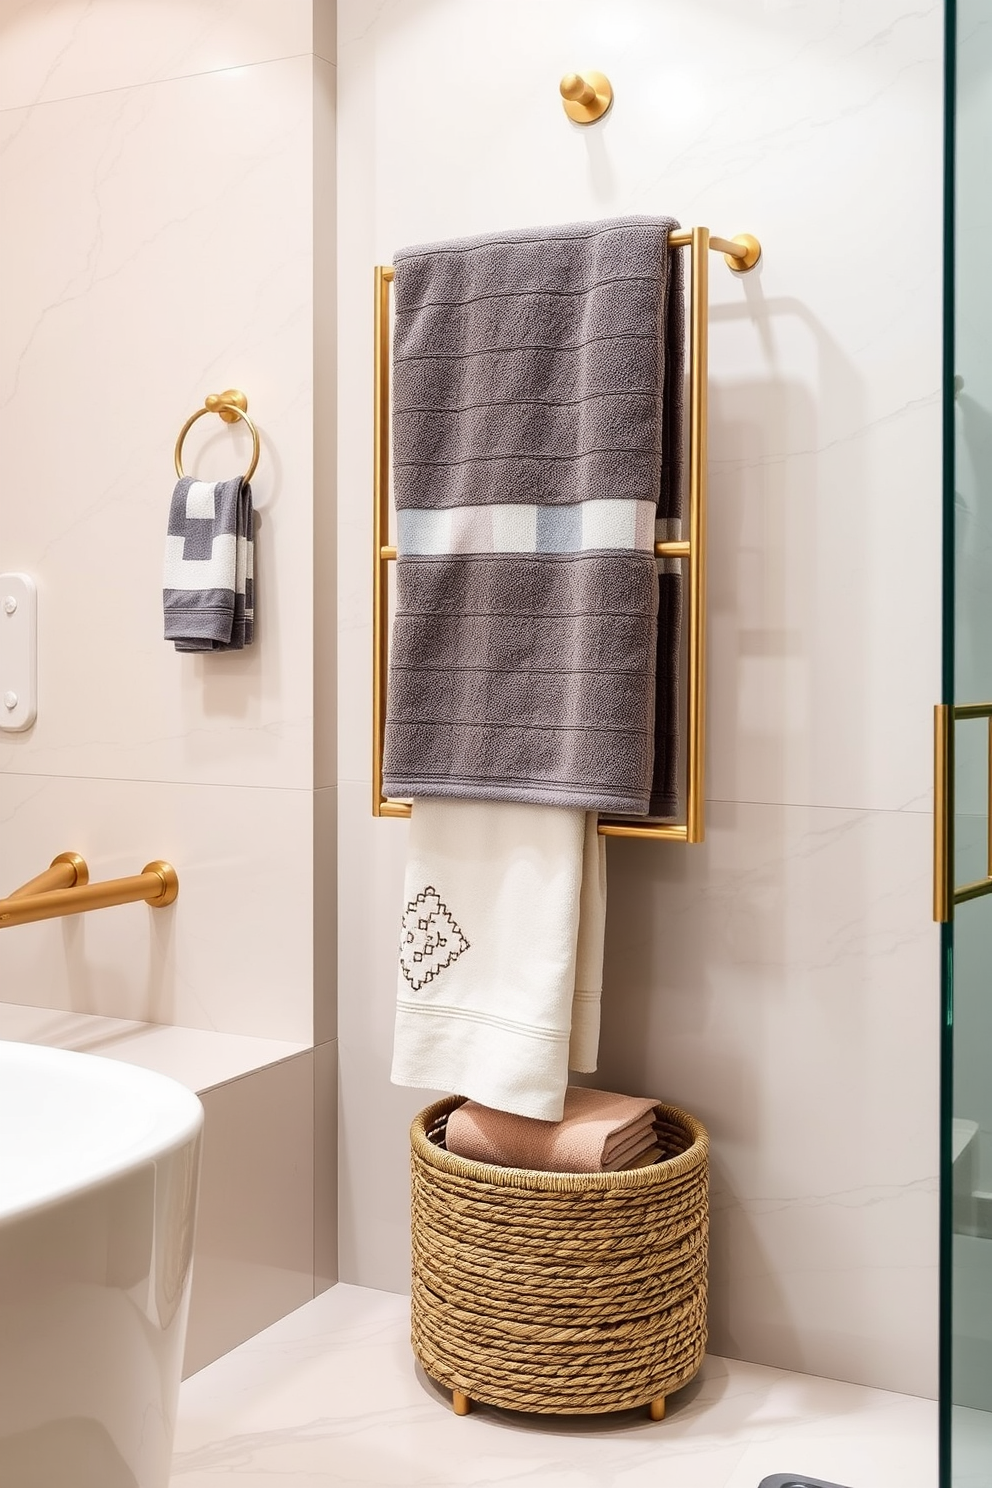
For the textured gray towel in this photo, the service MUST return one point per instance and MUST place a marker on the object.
(209, 584)
(537, 381)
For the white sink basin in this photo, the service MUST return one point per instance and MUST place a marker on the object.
(99, 1163)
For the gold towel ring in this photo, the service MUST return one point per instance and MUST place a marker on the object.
(230, 406)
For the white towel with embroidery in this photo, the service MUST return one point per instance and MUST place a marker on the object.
(501, 952)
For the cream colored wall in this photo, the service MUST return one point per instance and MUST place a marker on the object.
(167, 182)
(781, 980)
(157, 245)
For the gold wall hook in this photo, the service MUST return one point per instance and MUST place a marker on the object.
(585, 96)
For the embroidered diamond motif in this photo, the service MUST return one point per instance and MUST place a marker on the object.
(430, 938)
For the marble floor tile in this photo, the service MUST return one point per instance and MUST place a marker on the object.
(331, 1396)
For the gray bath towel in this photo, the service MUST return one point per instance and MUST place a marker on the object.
(537, 381)
(209, 577)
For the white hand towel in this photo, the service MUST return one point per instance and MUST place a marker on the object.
(501, 954)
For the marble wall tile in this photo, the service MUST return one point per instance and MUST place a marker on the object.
(234, 953)
(253, 1260)
(822, 674)
(62, 50)
(170, 254)
(373, 1115)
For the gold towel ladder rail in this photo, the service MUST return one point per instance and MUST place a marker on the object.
(741, 254)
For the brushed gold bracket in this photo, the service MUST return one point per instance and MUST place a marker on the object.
(168, 880)
(740, 253)
(230, 406)
(66, 871)
(585, 96)
(64, 889)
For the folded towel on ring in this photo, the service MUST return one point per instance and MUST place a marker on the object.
(599, 1132)
(209, 573)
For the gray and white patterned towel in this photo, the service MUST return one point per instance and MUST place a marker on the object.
(209, 575)
(537, 385)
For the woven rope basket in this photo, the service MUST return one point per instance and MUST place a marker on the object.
(560, 1292)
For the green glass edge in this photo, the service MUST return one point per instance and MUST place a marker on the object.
(945, 1459)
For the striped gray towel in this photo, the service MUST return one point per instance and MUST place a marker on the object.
(209, 577)
(537, 448)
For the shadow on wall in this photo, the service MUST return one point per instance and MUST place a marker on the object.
(97, 985)
(707, 977)
(789, 510)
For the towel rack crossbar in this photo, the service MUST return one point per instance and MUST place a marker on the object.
(741, 253)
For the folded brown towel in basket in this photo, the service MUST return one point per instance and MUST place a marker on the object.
(600, 1132)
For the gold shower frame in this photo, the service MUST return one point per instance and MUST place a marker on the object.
(64, 888)
(741, 254)
(946, 894)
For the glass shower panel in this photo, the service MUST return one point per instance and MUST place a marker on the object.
(967, 1385)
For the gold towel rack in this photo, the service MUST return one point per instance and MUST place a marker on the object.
(231, 406)
(741, 253)
(64, 889)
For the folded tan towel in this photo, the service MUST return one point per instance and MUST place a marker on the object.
(628, 1143)
(599, 1132)
(645, 1160)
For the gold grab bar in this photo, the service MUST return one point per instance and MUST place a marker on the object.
(64, 889)
(945, 895)
(585, 96)
(741, 254)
